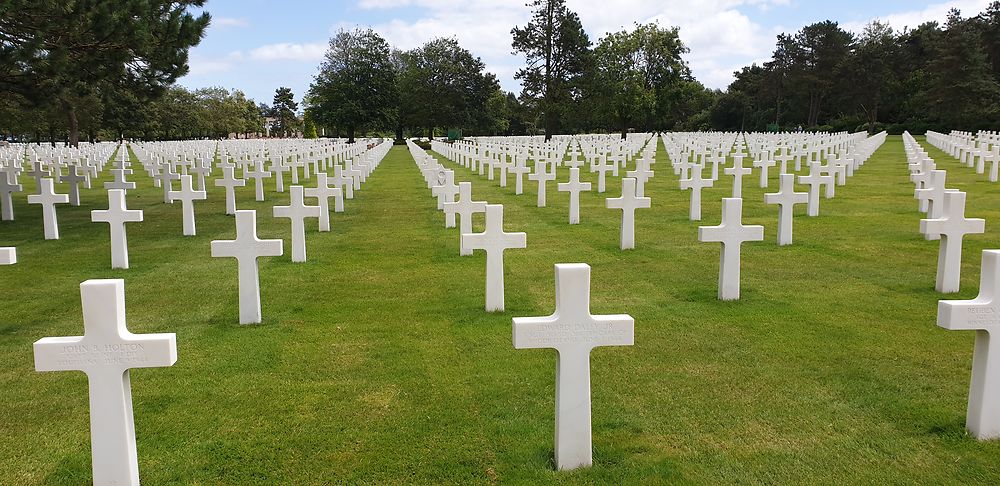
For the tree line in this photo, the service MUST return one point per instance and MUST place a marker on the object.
(635, 78)
(108, 69)
(938, 77)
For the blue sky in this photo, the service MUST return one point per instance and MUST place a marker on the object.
(258, 45)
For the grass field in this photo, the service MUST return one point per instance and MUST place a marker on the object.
(377, 364)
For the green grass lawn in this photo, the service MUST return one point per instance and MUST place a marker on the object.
(377, 364)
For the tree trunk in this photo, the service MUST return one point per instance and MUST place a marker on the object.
(399, 132)
(74, 124)
(350, 135)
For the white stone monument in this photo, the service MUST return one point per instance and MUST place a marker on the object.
(7, 189)
(465, 207)
(494, 240)
(951, 227)
(695, 183)
(574, 187)
(116, 216)
(106, 352)
(187, 196)
(8, 255)
(731, 233)
(246, 249)
(48, 198)
(786, 198)
(628, 203)
(323, 192)
(542, 176)
(230, 182)
(573, 331)
(982, 315)
(297, 211)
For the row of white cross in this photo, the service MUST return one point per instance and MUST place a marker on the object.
(946, 221)
(107, 350)
(571, 329)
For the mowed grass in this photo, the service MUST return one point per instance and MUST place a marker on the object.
(377, 364)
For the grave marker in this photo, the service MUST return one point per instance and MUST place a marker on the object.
(494, 240)
(628, 203)
(116, 216)
(573, 331)
(106, 352)
(982, 315)
(731, 233)
(246, 249)
(297, 211)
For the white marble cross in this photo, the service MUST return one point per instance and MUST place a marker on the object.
(542, 176)
(982, 315)
(628, 203)
(465, 207)
(737, 171)
(258, 174)
(7, 189)
(324, 192)
(119, 181)
(201, 169)
(951, 228)
(519, 169)
(574, 187)
(246, 249)
(297, 211)
(230, 182)
(494, 240)
(602, 168)
(116, 216)
(696, 183)
(106, 352)
(445, 193)
(731, 233)
(165, 177)
(642, 173)
(279, 169)
(763, 164)
(38, 172)
(73, 178)
(8, 255)
(786, 198)
(815, 181)
(573, 331)
(187, 196)
(48, 198)
(340, 179)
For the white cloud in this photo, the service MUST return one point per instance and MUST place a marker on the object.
(287, 51)
(913, 18)
(720, 36)
(202, 67)
(229, 22)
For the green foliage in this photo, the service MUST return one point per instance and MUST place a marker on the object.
(639, 70)
(65, 54)
(376, 364)
(557, 50)
(309, 129)
(943, 77)
(441, 84)
(283, 109)
(356, 84)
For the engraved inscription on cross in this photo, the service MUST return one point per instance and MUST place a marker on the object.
(106, 352)
(573, 331)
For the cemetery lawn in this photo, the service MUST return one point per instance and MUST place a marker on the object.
(377, 364)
